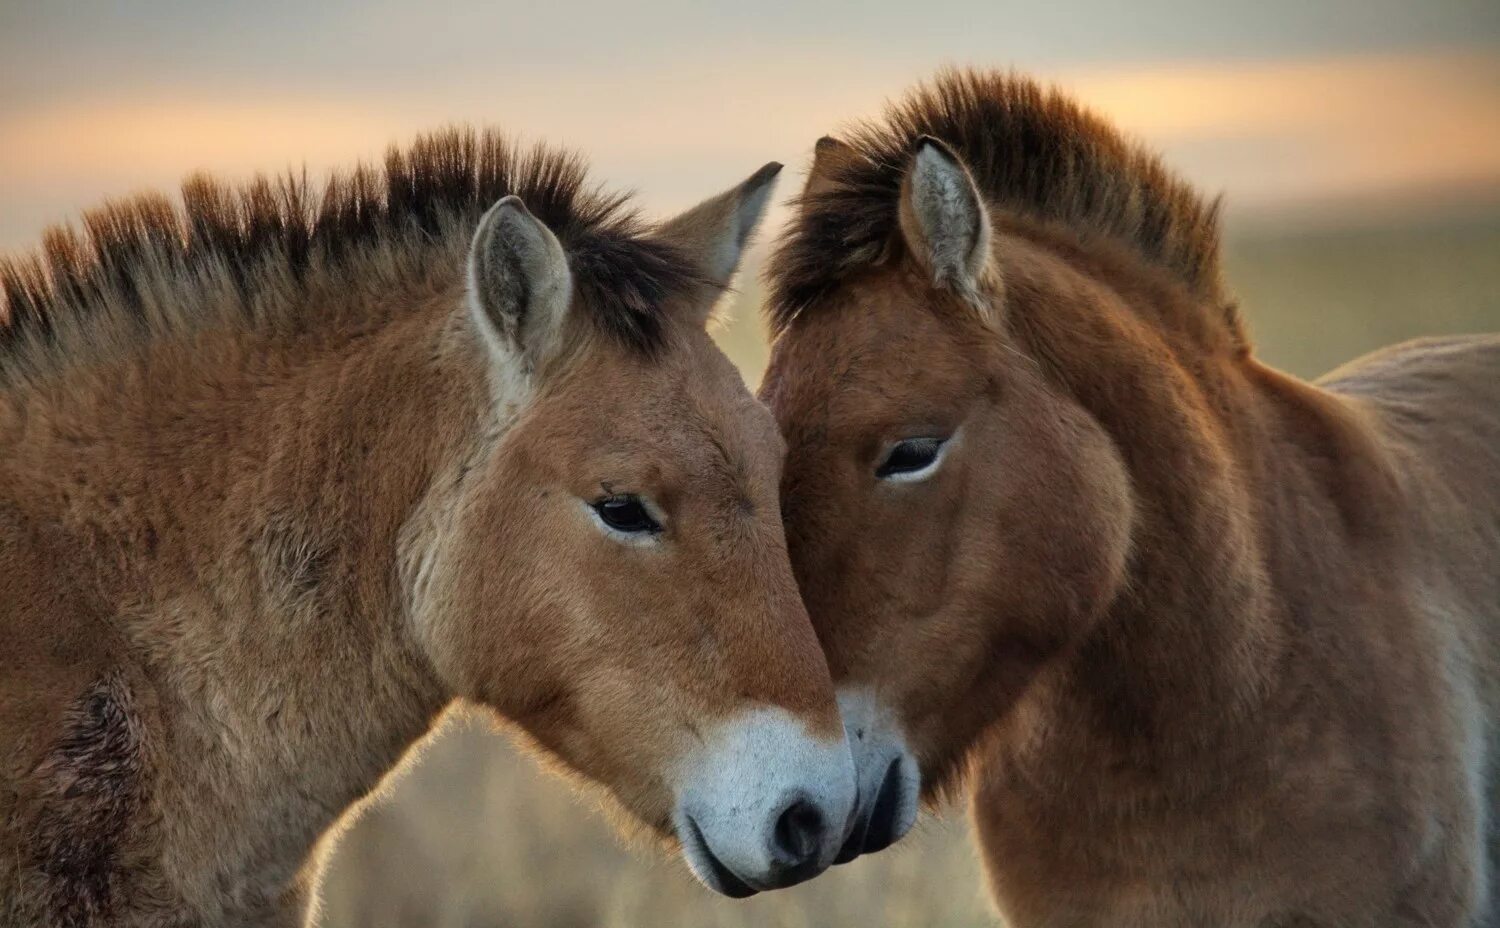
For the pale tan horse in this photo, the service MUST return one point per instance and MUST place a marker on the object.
(1214, 646)
(280, 481)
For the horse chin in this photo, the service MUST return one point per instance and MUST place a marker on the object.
(707, 867)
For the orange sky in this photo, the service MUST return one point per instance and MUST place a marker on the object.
(1302, 132)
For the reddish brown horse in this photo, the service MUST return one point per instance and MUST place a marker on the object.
(278, 481)
(1221, 644)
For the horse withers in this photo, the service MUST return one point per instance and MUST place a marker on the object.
(280, 481)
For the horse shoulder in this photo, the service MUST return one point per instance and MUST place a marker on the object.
(74, 771)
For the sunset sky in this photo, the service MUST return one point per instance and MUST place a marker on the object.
(1297, 110)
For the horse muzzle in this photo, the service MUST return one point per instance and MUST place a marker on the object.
(890, 782)
(763, 804)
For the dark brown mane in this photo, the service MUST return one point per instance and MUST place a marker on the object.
(1032, 151)
(268, 236)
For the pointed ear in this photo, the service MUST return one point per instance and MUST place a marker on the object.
(944, 220)
(829, 154)
(714, 233)
(519, 286)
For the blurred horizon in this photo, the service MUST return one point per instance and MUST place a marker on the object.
(1340, 113)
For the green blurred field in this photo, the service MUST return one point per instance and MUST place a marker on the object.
(474, 835)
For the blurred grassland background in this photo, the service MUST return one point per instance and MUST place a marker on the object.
(1357, 143)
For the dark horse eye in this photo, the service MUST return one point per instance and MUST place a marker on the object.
(626, 514)
(909, 457)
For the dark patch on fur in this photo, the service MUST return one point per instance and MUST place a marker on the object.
(1032, 151)
(295, 563)
(272, 229)
(92, 791)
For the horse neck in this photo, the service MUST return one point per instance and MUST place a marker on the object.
(1268, 523)
(247, 503)
(1183, 654)
(1253, 492)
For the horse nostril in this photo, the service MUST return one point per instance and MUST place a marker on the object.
(882, 828)
(799, 833)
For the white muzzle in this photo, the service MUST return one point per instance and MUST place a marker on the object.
(763, 804)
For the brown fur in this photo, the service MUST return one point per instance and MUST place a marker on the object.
(1219, 646)
(262, 518)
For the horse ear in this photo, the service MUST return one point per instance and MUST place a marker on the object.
(714, 233)
(829, 154)
(944, 220)
(520, 287)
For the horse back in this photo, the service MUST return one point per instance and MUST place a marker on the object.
(1436, 405)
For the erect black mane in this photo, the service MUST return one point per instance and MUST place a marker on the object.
(273, 230)
(1032, 151)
